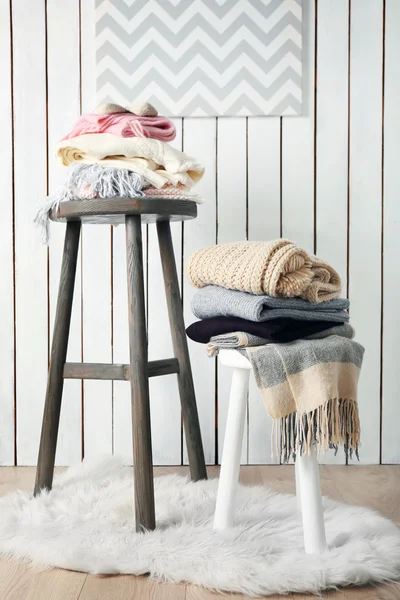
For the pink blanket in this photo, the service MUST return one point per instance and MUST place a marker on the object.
(125, 125)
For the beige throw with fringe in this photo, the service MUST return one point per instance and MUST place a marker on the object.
(276, 268)
(310, 388)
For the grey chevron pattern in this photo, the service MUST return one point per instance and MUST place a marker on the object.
(201, 57)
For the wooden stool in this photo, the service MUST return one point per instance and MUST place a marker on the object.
(132, 212)
(308, 489)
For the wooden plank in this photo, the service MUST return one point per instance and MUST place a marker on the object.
(264, 198)
(29, 37)
(200, 141)
(117, 371)
(298, 151)
(96, 280)
(23, 582)
(391, 287)
(164, 396)
(332, 144)
(141, 431)
(63, 109)
(365, 186)
(232, 219)
(190, 415)
(129, 586)
(6, 248)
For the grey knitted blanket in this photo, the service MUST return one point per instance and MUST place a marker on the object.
(310, 388)
(216, 301)
(241, 339)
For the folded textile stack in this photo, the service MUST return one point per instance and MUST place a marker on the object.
(280, 307)
(118, 152)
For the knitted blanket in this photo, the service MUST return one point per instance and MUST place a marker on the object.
(216, 301)
(276, 268)
(157, 161)
(125, 125)
(240, 339)
(310, 388)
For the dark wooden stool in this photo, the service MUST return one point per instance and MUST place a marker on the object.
(132, 212)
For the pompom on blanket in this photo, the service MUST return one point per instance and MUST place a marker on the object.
(277, 268)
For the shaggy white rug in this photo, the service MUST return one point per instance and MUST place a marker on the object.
(86, 523)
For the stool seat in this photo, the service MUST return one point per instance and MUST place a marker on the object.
(114, 210)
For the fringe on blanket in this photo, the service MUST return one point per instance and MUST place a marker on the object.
(90, 181)
(335, 423)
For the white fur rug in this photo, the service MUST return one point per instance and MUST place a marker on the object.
(86, 523)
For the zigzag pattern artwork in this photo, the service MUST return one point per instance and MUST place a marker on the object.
(201, 57)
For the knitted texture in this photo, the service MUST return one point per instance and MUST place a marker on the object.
(216, 301)
(276, 268)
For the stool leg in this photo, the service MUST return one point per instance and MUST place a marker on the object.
(311, 503)
(141, 429)
(298, 490)
(185, 380)
(230, 464)
(55, 380)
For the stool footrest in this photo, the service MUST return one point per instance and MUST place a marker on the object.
(117, 372)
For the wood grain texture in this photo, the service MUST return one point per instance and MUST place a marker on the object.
(391, 232)
(164, 393)
(298, 150)
(22, 582)
(155, 368)
(178, 334)
(7, 348)
(232, 227)
(141, 429)
(121, 393)
(125, 587)
(200, 140)
(29, 90)
(332, 144)
(63, 106)
(263, 198)
(365, 188)
(113, 210)
(97, 432)
(55, 382)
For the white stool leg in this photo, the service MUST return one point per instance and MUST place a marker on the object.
(230, 464)
(311, 503)
(298, 490)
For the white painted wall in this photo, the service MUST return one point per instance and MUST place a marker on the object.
(328, 180)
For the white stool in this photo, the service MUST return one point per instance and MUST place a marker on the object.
(308, 489)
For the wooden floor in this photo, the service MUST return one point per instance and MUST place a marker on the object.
(377, 487)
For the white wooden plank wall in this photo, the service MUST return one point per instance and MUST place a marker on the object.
(328, 180)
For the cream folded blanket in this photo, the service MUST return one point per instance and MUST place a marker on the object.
(276, 268)
(157, 161)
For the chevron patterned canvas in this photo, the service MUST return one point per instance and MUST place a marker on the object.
(201, 57)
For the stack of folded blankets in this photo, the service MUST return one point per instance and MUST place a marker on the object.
(122, 152)
(280, 307)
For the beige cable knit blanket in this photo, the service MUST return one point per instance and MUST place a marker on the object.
(276, 268)
(157, 161)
